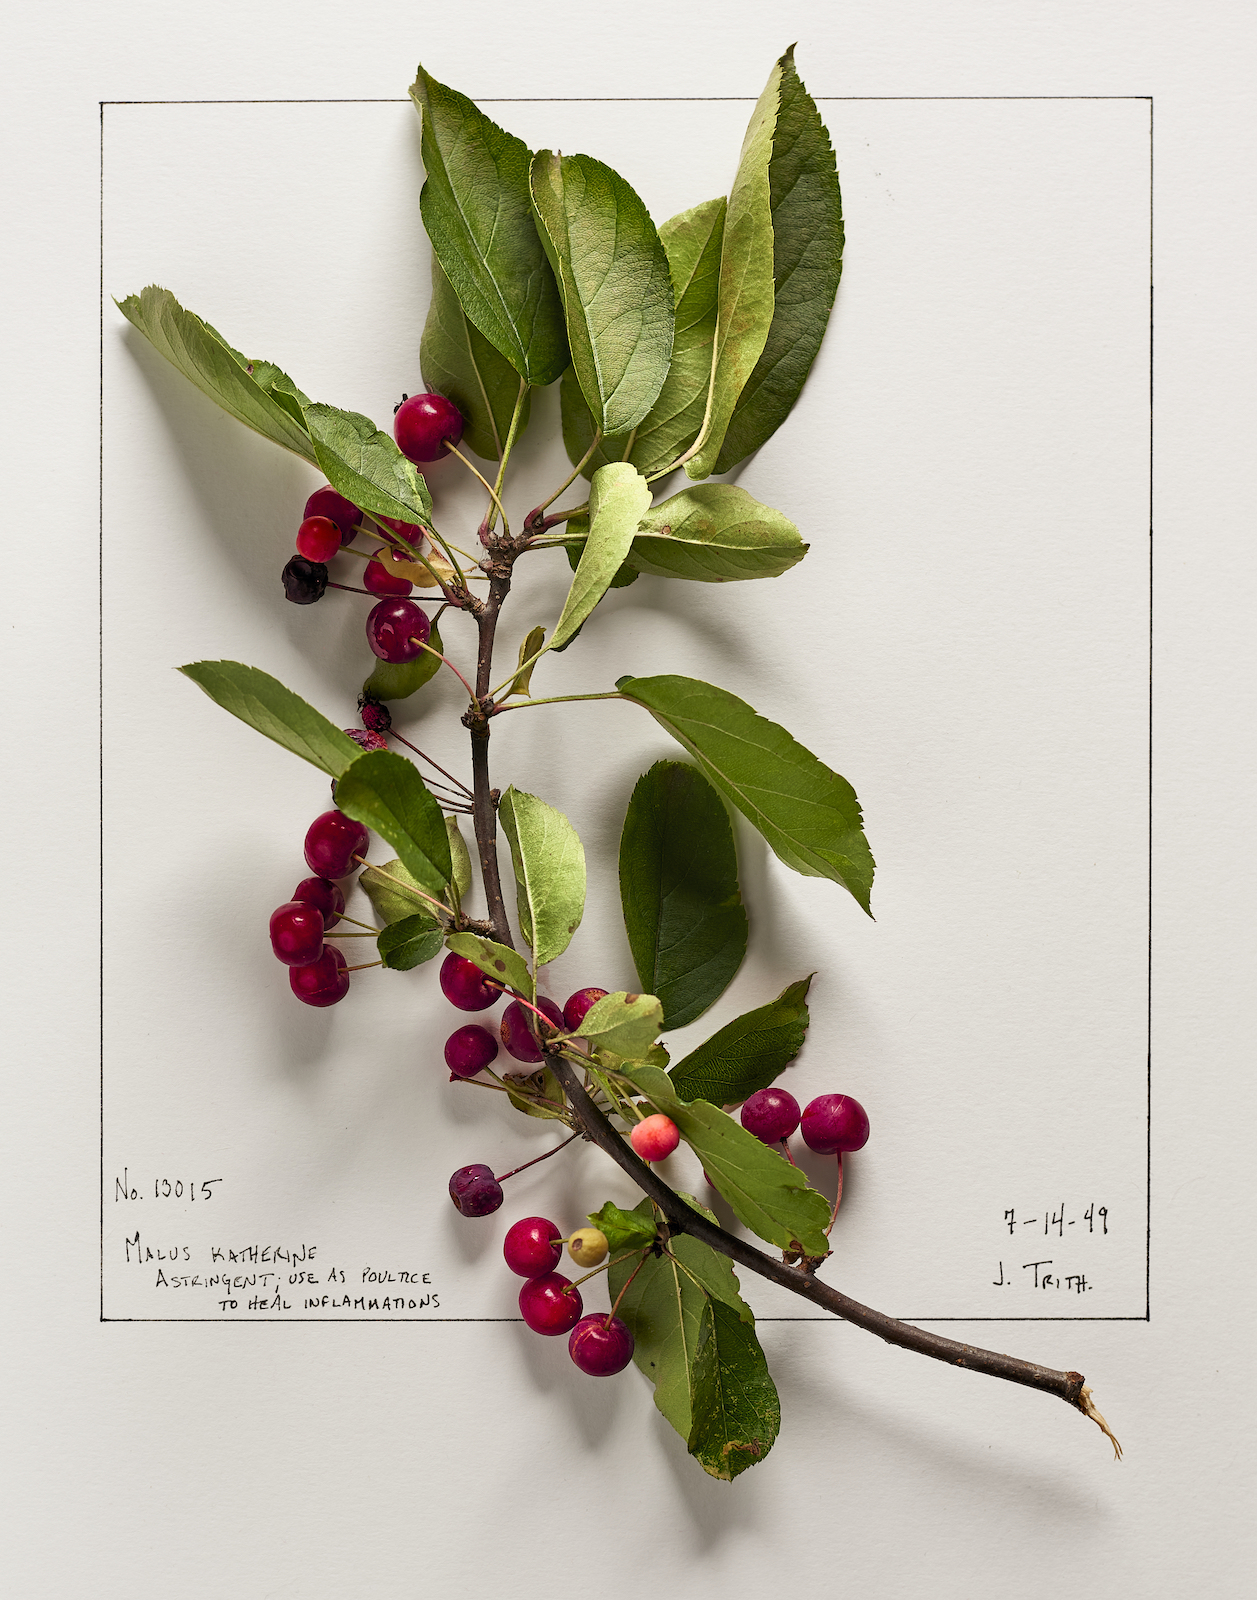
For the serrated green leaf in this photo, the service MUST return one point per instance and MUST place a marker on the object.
(459, 362)
(626, 1025)
(745, 308)
(625, 1230)
(385, 792)
(396, 680)
(683, 910)
(265, 704)
(460, 858)
(691, 243)
(614, 283)
(809, 815)
(542, 1083)
(772, 1197)
(205, 357)
(549, 862)
(385, 887)
(477, 209)
(618, 498)
(747, 1054)
(715, 533)
(663, 1308)
(410, 942)
(806, 205)
(735, 1410)
(496, 961)
(364, 464)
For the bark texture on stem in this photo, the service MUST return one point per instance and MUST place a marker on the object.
(484, 812)
(682, 1218)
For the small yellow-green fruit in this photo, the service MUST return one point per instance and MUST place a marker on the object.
(587, 1247)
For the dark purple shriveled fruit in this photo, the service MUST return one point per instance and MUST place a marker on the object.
(517, 1028)
(424, 423)
(549, 1304)
(332, 842)
(366, 740)
(771, 1115)
(532, 1247)
(324, 894)
(397, 630)
(833, 1123)
(376, 716)
(600, 1345)
(318, 539)
(475, 1191)
(323, 982)
(327, 503)
(465, 986)
(579, 1005)
(304, 581)
(469, 1050)
(297, 933)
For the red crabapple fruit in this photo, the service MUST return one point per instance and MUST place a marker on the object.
(655, 1137)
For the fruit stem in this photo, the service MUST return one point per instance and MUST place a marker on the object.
(408, 887)
(605, 1267)
(476, 473)
(364, 966)
(625, 1288)
(471, 693)
(458, 782)
(682, 1218)
(536, 516)
(505, 450)
(351, 935)
(358, 924)
(833, 1217)
(579, 1134)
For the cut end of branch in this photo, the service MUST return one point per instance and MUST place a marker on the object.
(1088, 1408)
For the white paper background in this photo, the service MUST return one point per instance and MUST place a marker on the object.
(210, 1460)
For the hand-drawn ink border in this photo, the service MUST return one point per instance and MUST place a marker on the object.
(1146, 1315)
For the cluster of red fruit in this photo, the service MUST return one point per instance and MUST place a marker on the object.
(471, 1048)
(832, 1124)
(397, 628)
(551, 1304)
(317, 971)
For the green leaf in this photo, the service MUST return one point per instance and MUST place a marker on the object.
(809, 815)
(410, 942)
(217, 370)
(529, 647)
(806, 206)
(679, 888)
(772, 1197)
(625, 1230)
(365, 465)
(745, 309)
(747, 1054)
(389, 899)
(618, 498)
(626, 1025)
(663, 1308)
(715, 533)
(575, 548)
(614, 282)
(460, 363)
(549, 862)
(396, 680)
(460, 858)
(265, 704)
(542, 1083)
(735, 1410)
(478, 212)
(496, 961)
(691, 243)
(384, 792)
